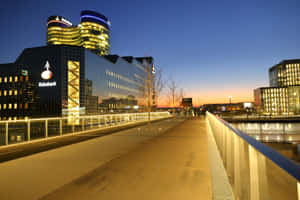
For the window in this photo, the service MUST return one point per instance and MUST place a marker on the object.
(9, 106)
(5, 79)
(4, 92)
(21, 78)
(15, 93)
(26, 78)
(26, 105)
(4, 106)
(15, 106)
(20, 106)
(0, 79)
(16, 79)
(10, 92)
(10, 79)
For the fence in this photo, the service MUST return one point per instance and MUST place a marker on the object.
(16, 131)
(255, 171)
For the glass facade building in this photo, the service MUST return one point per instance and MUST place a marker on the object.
(283, 95)
(62, 80)
(92, 33)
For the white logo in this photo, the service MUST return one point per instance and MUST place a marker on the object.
(47, 74)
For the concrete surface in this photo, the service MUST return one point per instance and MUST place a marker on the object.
(168, 160)
(173, 166)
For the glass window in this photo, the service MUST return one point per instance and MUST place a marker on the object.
(15, 106)
(4, 106)
(26, 105)
(16, 79)
(16, 92)
(5, 79)
(4, 92)
(9, 106)
(0, 79)
(10, 92)
(10, 79)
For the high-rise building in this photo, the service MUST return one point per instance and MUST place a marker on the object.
(64, 80)
(283, 95)
(92, 33)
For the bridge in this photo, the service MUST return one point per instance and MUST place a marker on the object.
(197, 158)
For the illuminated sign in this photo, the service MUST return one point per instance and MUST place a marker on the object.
(47, 74)
(47, 84)
(24, 72)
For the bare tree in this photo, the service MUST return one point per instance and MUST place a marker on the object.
(159, 84)
(173, 91)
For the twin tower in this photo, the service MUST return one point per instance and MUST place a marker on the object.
(92, 33)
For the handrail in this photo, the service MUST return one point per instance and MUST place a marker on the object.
(255, 171)
(20, 131)
(288, 165)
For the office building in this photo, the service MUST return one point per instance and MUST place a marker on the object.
(283, 95)
(92, 33)
(62, 80)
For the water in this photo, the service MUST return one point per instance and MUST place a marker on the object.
(271, 132)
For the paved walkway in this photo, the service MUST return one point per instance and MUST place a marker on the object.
(174, 165)
(169, 160)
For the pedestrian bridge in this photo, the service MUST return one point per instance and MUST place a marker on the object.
(200, 158)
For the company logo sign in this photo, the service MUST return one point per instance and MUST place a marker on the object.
(47, 74)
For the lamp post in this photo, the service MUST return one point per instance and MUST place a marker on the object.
(229, 99)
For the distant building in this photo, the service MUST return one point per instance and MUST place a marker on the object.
(187, 103)
(92, 33)
(228, 107)
(283, 95)
(61, 80)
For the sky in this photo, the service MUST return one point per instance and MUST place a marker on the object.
(211, 48)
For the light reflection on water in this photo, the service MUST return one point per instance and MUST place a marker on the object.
(271, 132)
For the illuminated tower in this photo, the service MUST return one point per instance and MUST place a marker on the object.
(92, 33)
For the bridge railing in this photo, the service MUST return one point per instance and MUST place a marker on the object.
(18, 131)
(255, 171)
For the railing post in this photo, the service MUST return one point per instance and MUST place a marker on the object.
(82, 124)
(6, 133)
(258, 176)
(73, 126)
(60, 127)
(46, 128)
(28, 130)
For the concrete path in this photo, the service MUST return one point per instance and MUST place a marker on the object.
(174, 165)
(169, 160)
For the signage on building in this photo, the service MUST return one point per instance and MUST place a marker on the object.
(24, 72)
(47, 74)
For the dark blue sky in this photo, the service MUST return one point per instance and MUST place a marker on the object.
(211, 48)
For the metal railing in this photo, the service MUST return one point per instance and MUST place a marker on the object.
(255, 171)
(18, 131)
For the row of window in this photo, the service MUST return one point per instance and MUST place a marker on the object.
(122, 87)
(13, 79)
(10, 92)
(13, 106)
(120, 77)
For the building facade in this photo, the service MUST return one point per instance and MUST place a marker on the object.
(283, 95)
(92, 33)
(62, 80)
